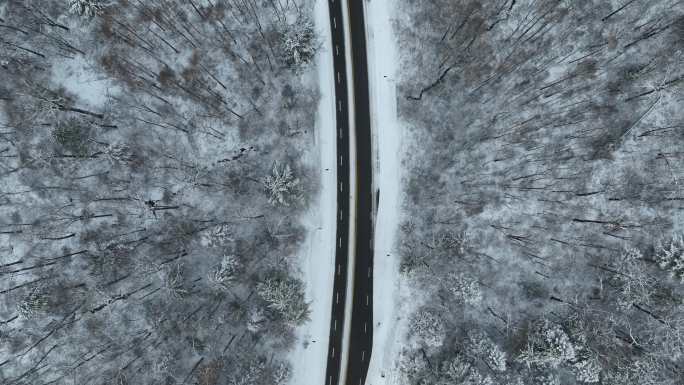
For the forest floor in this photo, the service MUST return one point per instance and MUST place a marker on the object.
(309, 358)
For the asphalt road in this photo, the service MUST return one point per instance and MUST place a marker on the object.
(342, 248)
(361, 336)
(361, 333)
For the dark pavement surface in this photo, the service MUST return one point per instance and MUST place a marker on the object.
(361, 336)
(342, 248)
(361, 333)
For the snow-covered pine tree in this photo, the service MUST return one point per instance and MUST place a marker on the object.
(670, 257)
(459, 370)
(633, 284)
(547, 379)
(281, 374)
(428, 327)
(411, 363)
(35, 302)
(222, 275)
(588, 371)
(173, 280)
(118, 152)
(299, 42)
(286, 296)
(547, 346)
(282, 186)
(465, 289)
(482, 347)
(249, 374)
(87, 8)
(255, 319)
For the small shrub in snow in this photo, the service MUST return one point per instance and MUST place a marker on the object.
(281, 374)
(217, 236)
(456, 368)
(250, 375)
(633, 285)
(161, 367)
(670, 257)
(547, 345)
(173, 281)
(255, 320)
(72, 136)
(485, 349)
(643, 371)
(512, 380)
(454, 242)
(87, 8)
(118, 152)
(286, 296)
(411, 363)
(459, 371)
(224, 274)
(428, 328)
(588, 371)
(282, 186)
(547, 379)
(35, 302)
(466, 290)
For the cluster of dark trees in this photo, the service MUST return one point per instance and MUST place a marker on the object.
(543, 192)
(150, 239)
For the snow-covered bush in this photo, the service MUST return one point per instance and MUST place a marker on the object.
(160, 367)
(547, 379)
(282, 186)
(173, 280)
(454, 242)
(255, 320)
(633, 284)
(670, 257)
(459, 370)
(512, 380)
(299, 43)
(281, 374)
(428, 328)
(547, 345)
(249, 375)
(587, 371)
(217, 236)
(411, 363)
(286, 296)
(72, 136)
(118, 152)
(35, 302)
(87, 8)
(224, 274)
(465, 289)
(481, 346)
(643, 371)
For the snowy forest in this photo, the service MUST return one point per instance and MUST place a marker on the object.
(543, 214)
(151, 177)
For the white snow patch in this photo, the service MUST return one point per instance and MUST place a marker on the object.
(309, 358)
(391, 298)
(77, 76)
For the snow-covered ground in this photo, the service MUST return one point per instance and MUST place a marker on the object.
(78, 76)
(388, 307)
(309, 358)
